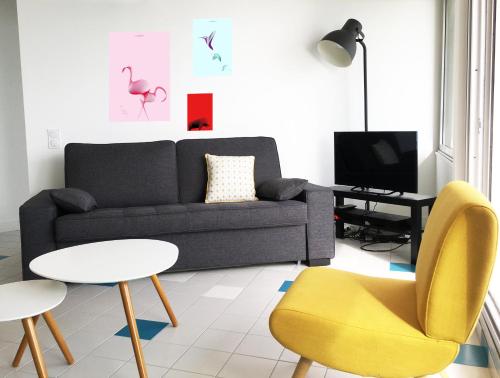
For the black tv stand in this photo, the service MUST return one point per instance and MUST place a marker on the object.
(384, 221)
(367, 190)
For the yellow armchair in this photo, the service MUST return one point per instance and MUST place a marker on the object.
(382, 327)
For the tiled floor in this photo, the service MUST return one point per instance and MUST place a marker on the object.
(223, 329)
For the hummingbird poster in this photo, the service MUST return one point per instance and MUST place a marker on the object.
(212, 47)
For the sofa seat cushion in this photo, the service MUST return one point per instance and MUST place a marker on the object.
(148, 221)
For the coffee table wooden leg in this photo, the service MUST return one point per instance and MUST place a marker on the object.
(22, 346)
(164, 299)
(132, 325)
(49, 319)
(36, 352)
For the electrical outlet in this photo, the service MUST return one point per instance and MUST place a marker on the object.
(53, 139)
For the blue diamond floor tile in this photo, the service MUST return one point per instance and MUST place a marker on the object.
(3, 257)
(109, 284)
(285, 286)
(473, 355)
(401, 267)
(147, 329)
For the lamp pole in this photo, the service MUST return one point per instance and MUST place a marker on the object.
(339, 48)
(365, 92)
(365, 79)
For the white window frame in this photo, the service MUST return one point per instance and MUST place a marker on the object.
(481, 88)
(443, 146)
(455, 100)
(470, 111)
(479, 164)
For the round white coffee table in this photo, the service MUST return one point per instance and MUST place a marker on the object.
(113, 261)
(26, 300)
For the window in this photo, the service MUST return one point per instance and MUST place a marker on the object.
(455, 78)
(492, 166)
(495, 199)
(467, 122)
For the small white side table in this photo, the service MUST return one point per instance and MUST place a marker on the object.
(113, 261)
(27, 300)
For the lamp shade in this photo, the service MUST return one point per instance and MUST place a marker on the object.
(339, 47)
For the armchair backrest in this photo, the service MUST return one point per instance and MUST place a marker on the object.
(455, 262)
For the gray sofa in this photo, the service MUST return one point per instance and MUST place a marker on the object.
(156, 190)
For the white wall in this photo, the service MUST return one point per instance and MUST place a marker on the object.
(13, 164)
(278, 88)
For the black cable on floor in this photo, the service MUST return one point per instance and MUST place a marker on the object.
(363, 247)
(360, 235)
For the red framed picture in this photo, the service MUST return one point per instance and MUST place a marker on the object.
(200, 111)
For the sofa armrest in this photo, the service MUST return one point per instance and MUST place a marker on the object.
(36, 218)
(320, 225)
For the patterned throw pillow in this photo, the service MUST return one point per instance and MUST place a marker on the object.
(230, 178)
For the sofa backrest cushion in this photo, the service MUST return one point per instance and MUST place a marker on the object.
(191, 165)
(124, 174)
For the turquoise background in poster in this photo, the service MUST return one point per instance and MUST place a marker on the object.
(203, 64)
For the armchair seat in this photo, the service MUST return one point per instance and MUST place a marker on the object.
(364, 325)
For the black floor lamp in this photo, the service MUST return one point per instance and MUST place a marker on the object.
(339, 48)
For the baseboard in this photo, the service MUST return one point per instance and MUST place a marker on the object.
(9, 225)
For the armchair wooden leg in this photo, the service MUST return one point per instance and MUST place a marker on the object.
(302, 368)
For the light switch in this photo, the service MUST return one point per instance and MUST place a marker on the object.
(53, 139)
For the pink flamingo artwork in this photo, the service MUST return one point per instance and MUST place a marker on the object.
(139, 76)
(142, 88)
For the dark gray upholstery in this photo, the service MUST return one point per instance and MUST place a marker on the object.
(123, 174)
(136, 188)
(73, 200)
(37, 221)
(280, 189)
(132, 222)
(192, 169)
(222, 249)
(320, 223)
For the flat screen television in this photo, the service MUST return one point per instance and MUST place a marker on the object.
(377, 159)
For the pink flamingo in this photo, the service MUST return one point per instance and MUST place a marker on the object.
(150, 96)
(136, 87)
(141, 87)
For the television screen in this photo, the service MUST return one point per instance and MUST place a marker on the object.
(377, 159)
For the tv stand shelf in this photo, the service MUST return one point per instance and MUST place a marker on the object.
(384, 221)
